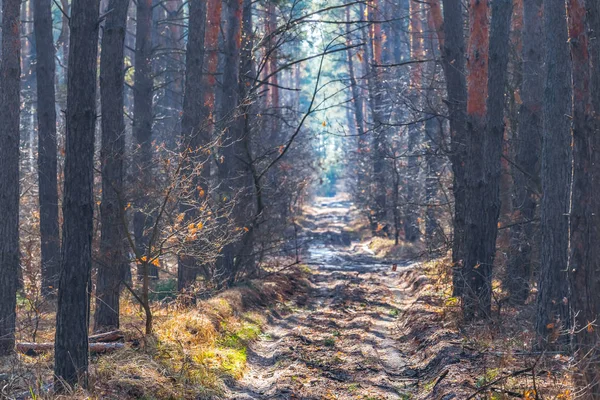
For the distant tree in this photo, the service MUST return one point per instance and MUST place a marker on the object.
(72, 317)
(10, 72)
(357, 101)
(47, 147)
(373, 50)
(553, 292)
(412, 232)
(113, 256)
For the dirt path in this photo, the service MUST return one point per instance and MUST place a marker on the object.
(340, 341)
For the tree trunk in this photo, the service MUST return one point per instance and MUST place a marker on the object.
(356, 97)
(72, 317)
(47, 148)
(10, 82)
(142, 127)
(171, 50)
(434, 128)
(453, 62)
(373, 47)
(528, 147)
(232, 171)
(412, 232)
(487, 79)
(584, 262)
(194, 132)
(553, 294)
(113, 264)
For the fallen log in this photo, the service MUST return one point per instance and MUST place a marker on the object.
(107, 337)
(32, 349)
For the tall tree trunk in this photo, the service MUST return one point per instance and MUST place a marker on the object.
(487, 80)
(528, 147)
(356, 97)
(453, 62)
(72, 317)
(434, 128)
(142, 127)
(245, 258)
(62, 42)
(172, 46)
(209, 79)
(373, 50)
(412, 232)
(113, 265)
(10, 85)
(232, 169)
(194, 132)
(584, 261)
(553, 293)
(47, 148)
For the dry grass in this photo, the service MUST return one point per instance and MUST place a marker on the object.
(193, 352)
(453, 357)
(385, 248)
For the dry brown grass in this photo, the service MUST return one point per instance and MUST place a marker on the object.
(454, 357)
(192, 352)
(385, 248)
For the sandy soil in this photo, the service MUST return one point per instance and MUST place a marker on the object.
(340, 341)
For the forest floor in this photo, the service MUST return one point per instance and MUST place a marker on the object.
(359, 318)
(367, 330)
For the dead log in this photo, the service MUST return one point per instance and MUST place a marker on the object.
(107, 337)
(33, 349)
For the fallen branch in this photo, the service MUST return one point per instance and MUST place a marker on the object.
(35, 348)
(492, 383)
(107, 337)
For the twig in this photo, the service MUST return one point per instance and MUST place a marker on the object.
(492, 383)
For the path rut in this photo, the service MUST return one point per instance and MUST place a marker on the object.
(339, 341)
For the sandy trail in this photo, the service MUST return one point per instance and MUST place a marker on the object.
(340, 340)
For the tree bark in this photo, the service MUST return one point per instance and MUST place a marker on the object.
(412, 232)
(475, 264)
(487, 80)
(72, 318)
(585, 208)
(373, 47)
(356, 97)
(553, 294)
(113, 264)
(10, 83)
(232, 171)
(142, 127)
(453, 62)
(194, 130)
(47, 148)
(528, 148)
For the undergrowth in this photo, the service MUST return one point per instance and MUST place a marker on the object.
(192, 353)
